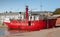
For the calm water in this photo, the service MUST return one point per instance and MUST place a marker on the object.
(2, 31)
(5, 31)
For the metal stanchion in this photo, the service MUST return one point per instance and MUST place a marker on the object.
(47, 23)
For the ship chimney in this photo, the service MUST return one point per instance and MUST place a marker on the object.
(26, 12)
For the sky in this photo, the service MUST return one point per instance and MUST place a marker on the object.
(34, 5)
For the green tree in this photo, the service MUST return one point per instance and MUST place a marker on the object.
(57, 11)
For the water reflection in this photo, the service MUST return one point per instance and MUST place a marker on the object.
(2, 31)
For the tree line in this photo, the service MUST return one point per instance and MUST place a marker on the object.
(57, 11)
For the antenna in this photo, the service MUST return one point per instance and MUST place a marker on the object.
(26, 3)
(41, 6)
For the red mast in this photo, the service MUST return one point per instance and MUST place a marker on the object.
(26, 12)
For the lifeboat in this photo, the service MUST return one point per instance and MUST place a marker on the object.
(26, 24)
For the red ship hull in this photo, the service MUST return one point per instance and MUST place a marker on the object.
(33, 25)
(26, 25)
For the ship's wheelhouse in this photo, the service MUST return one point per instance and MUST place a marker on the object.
(33, 17)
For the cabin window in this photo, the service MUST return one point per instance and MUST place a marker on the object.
(22, 17)
(36, 17)
(32, 17)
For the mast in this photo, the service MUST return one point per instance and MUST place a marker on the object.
(41, 6)
(26, 13)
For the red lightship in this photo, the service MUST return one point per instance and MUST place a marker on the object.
(26, 24)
